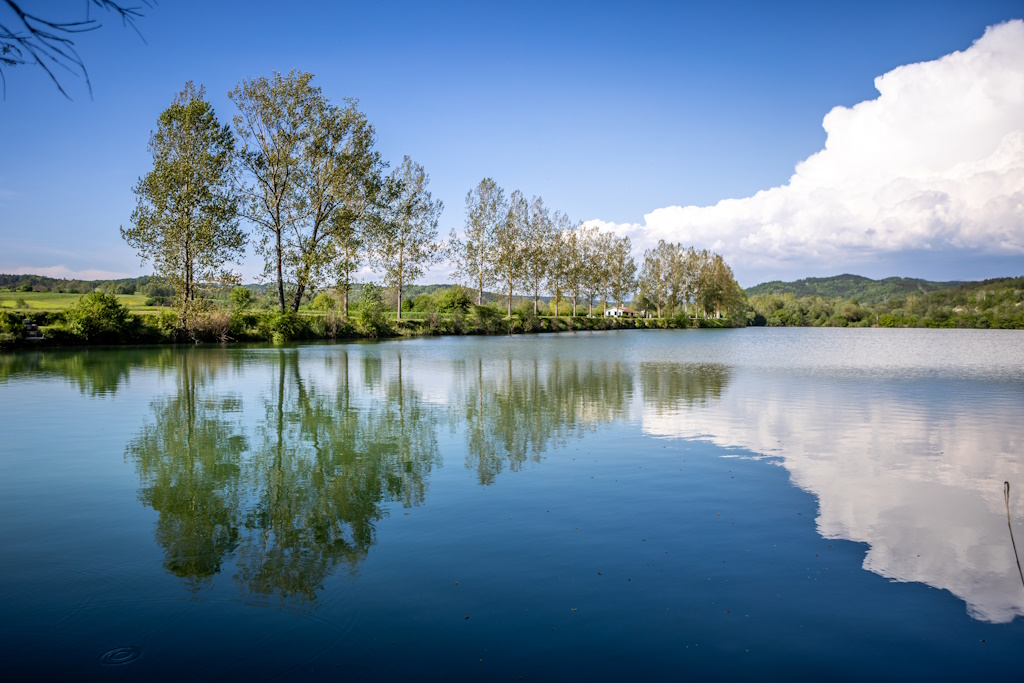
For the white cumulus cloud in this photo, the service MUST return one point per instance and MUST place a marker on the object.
(935, 162)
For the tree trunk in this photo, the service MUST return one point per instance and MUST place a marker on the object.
(298, 298)
(280, 273)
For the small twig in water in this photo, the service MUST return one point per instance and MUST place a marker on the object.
(1006, 498)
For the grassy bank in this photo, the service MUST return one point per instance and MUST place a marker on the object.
(104, 320)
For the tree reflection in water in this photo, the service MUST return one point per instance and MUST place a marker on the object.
(189, 463)
(298, 502)
(514, 411)
(294, 493)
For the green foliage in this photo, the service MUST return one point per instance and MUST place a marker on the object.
(988, 304)
(185, 221)
(241, 298)
(312, 175)
(370, 320)
(323, 302)
(12, 324)
(485, 319)
(850, 287)
(98, 318)
(282, 327)
(455, 298)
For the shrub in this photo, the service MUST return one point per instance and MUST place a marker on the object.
(455, 298)
(323, 302)
(457, 322)
(211, 325)
(98, 317)
(11, 323)
(529, 321)
(485, 319)
(241, 298)
(432, 323)
(370, 319)
(282, 327)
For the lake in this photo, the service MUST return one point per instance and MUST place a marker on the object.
(694, 504)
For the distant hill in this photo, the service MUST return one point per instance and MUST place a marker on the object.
(847, 287)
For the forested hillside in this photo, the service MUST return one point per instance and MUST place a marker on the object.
(995, 303)
(850, 287)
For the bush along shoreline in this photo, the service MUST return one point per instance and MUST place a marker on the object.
(99, 319)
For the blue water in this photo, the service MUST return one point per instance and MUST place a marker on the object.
(710, 505)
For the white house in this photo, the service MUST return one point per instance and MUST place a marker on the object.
(620, 312)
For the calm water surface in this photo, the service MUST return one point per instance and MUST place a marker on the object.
(710, 505)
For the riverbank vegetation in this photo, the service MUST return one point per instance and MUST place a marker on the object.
(996, 303)
(304, 175)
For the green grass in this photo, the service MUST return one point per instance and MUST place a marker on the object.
(52, 301)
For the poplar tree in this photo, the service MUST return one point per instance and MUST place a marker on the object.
(486, 209)
(185, 220)
(655, 274)
(510, 246)
(405, 238)
(621, 269)
(560, 256)
(537, 240)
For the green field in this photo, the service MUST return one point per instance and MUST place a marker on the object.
(52, 301)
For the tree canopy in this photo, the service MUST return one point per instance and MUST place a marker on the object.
(186, 218)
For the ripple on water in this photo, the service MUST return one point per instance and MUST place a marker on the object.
(120, 655)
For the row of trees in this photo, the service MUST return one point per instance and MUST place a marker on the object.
(675, 277)
(302, 170)
(523, 248)
(306, 174)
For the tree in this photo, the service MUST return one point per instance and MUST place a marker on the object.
(538, 238)
(29, 39)
(510, 246)
(351, 228)
(591, 262)
(576, 268)
(300, 153)
(486, 209)
(405, 238)
(621, 269)
(654, 280)
(186, 218)
(559, 256)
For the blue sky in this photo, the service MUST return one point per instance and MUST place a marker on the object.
(610, 111)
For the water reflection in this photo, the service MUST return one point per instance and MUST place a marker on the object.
(514, 411)
(189, 460)
(299, 498)
(277, 466)
(913, 469)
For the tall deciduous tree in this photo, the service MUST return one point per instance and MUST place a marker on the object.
(298, 151)
(486, 209)
(576, 267)
(510, 246)
(621, 269)
(185, 220)
(592, 276)
(405, 239)
(538, 239)
(560, 257)
(655, 274)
